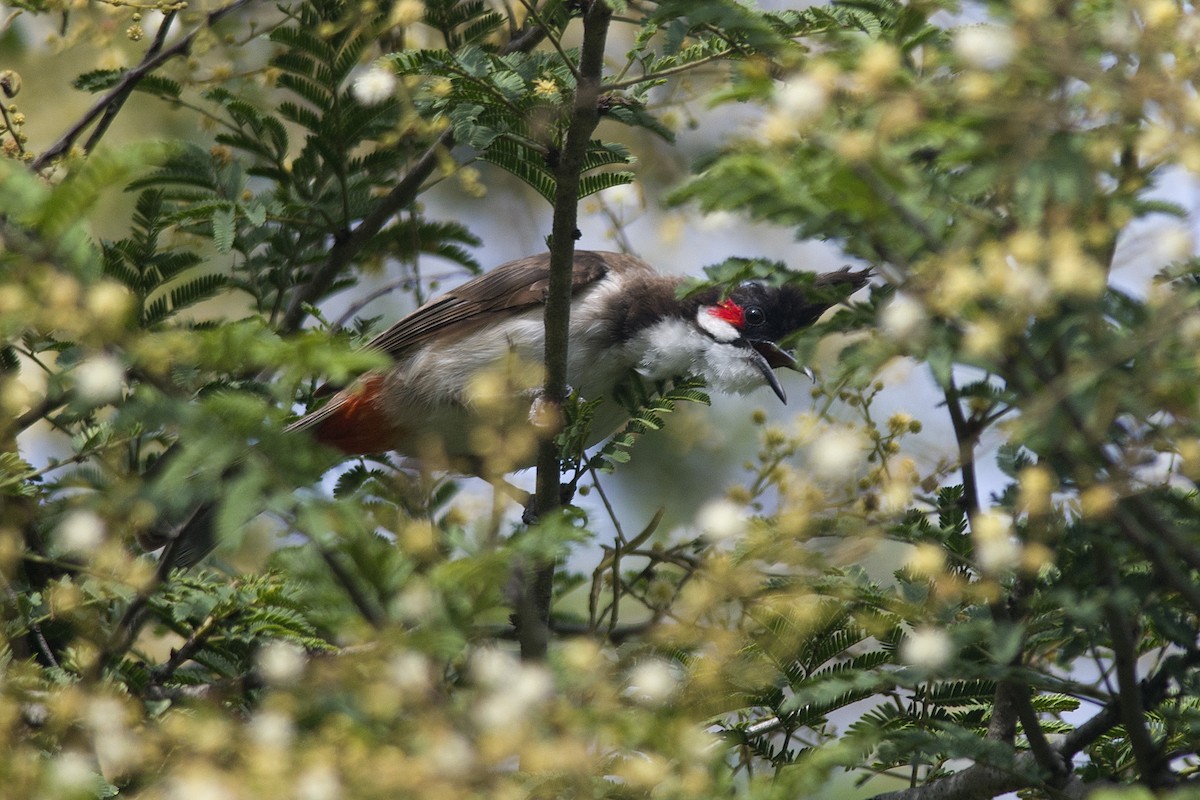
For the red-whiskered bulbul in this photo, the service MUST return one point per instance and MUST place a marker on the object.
(624, 316)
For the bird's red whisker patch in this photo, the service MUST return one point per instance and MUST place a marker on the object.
(728, 311)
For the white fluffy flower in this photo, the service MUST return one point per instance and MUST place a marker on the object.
(73, 773)
(801, 99)
(986, 47)
(927, 648)
(996, 549)
(837, 453)
(199, 784)
(903, 317)
(409, 671)
(80, 531)
(272, 730)
(318, 782)
(653, 682)
(374, 86)
(511, 697)
(281, 663)
(718, 221)
(99, 379)
(1174, 243)
(491, 666)
(721, 519)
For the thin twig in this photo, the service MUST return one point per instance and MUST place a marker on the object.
(150, 62)
(986, 780)
(118, 101)
(348, 243)
(1145, 753)
(35, 627)
(131, 622)
(537, 18)
(668, 72)
(184, 652)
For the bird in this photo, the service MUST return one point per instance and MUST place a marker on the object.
(625, 317)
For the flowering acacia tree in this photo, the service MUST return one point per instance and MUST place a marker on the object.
(1041, 633)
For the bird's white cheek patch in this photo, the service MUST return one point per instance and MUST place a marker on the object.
(729, 369)
(716, 327)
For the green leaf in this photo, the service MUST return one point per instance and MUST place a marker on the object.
(223, 230)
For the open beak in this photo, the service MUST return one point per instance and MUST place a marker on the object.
(769, 358)
(766, 356)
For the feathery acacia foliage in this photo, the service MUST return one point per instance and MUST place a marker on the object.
(1033, 632)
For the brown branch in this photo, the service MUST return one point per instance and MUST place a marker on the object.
(184, 653)
(107, 106)
(1043, 752)
(533, 608)
(1146, 754)
(131, 622)
(117, 102)
(347, 245)
(35, 627)
(985, 780)
(966, 438)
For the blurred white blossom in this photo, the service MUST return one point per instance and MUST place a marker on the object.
(73, 773)
(721, 519)
(837, 453)
(927, 648)
(374, 86)
(512, 697)
(281, 663)
(1174, 243)
(318, 782)
(80, 531)
(409, 671)
(996, 548)
(624, 196)
(718, 221)
(99, 379)
(801, 98)
(903, 317)
(272, 730)
(653, 681)
(407, 12)
(985, 47)
(491, 666)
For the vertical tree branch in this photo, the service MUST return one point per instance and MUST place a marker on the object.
(1129, 689)
(533, 609)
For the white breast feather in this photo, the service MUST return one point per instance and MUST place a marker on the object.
(674, 347)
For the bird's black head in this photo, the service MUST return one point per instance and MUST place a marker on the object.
(769, 313)
(761, 312)
(757, 315)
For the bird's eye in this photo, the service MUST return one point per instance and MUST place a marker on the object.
(755, 315)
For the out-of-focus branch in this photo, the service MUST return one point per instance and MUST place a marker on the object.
(1129, 690)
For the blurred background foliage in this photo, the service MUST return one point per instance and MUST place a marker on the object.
(200, 202)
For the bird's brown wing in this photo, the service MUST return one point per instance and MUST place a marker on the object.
(353, 420)
(516, 285)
